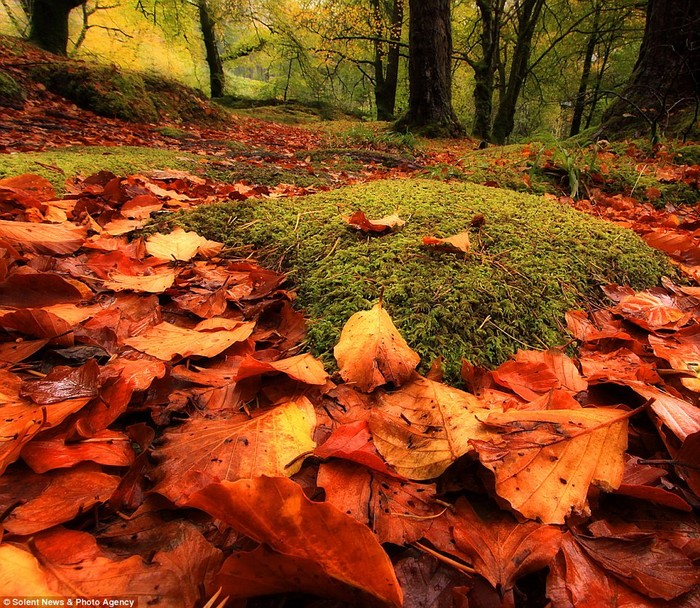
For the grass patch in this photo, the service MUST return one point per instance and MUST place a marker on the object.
(58, 165)
(532, 261)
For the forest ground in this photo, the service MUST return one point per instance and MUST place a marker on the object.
(642, 351)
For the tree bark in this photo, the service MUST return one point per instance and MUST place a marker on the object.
(385, 82)
(491, 12)
(528, 15)
(430, 70)
(666, 77)
(580, 103)
(48, 24)
(217, 78)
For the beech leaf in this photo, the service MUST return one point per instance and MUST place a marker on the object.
(371, 352)
(360, 221)
(457, 243)
(275, 511)
(545, 461)
(425, 426)
(180, 245)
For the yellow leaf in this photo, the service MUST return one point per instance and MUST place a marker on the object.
(180, 245)
(371, 352)
(21, 575)
(545, 461)
(150, 283)
(425, 426)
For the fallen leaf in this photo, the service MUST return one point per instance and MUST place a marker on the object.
(21, 573)
(425, 426)
(204, 451)
(371, 352)
(62, 383)
(359, 221)
(165, 341)
(349, 563)
(544, 462)
(304, 368)
(180, 245)
(457, 243)
(44, 238)
(156, 282)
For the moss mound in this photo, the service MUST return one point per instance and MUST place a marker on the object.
(109, 91)
(532, 261)
(11, 93)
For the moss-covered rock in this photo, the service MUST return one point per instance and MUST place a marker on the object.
(11, 93)
(532, 261)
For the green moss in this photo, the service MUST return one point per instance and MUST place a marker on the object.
(172, 132)
(59, 165)
(688, 155)
(11, 94)
(532, 261)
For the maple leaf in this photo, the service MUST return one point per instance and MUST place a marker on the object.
(545, 461)
(181, 245)
(371, 352)
(425, 426)
(501, 549)
(203, 451)
(359, 221)
(457, 243)
(165, 340)
(348, 564)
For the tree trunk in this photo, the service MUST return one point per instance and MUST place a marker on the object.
(528, 15)
(217, 78)
(48, 24)
(485, 69)
(666, 77)
(580, 103)
(429, 70)
(393, 57)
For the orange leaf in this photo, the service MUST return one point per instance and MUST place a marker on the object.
(304, 368)
(203, 451)
(165, 340)
(157, 282)
(275, 511)
(545, 461)
(371, 352)
(20, 573)
(44, 238)
(180, 245)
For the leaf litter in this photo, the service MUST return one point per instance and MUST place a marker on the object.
(156, 390)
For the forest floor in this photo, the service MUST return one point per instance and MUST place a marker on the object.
(163, 424)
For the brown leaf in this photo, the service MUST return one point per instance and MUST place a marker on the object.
(165, 341)
(62, 383)
(204, 451)
(155, 282)
(529, 380)
(501, 549)
(425, 426)
(359, 221)
(37, 289)
(545, 461)
(457, 243)
(275, 511)
(371, 352)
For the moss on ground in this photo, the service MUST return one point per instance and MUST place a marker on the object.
(532, 261)
(58, 165)
(11, 93)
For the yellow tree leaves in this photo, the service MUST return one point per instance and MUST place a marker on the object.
(371, 352)
(425, 426)
(545, 461)
(315, 546)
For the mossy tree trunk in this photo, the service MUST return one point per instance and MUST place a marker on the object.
(217, 78)
(666, 77)
(430, 70)
(48, 24)
(528, 16)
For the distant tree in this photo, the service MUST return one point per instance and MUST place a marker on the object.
(666, 77)
(430, 70)
(48, 24)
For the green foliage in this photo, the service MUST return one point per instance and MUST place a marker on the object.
(11, 93)
(531, 262)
